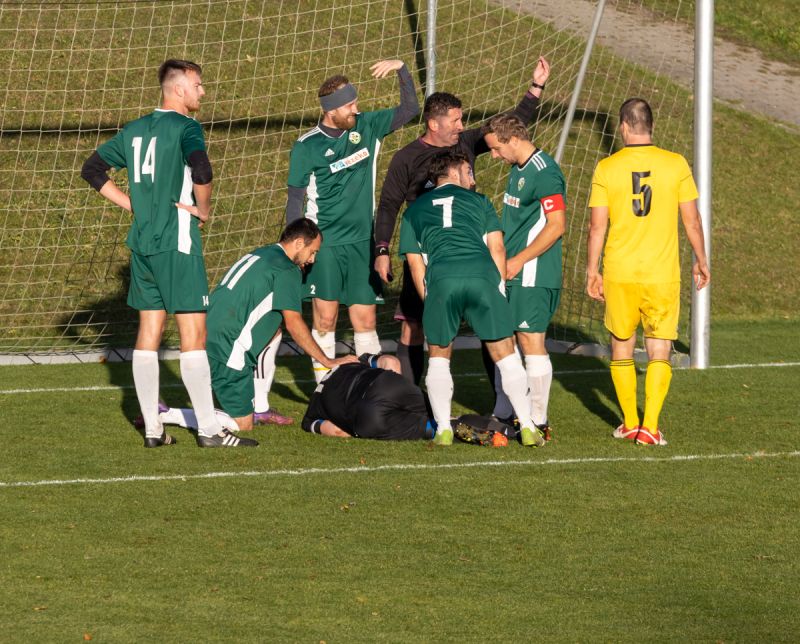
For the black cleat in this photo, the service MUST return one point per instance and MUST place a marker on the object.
(225, 438)
(159, 441)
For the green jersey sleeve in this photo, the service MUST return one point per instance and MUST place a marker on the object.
(409, 245)
(287, 290)
(380, 121)
(550, 182)
(491, 219)
(113, 151)
(192, 139)
(299, 166)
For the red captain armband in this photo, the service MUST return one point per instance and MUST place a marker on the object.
(552, 203)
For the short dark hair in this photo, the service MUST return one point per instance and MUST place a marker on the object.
(504, 126)
(330, 85)
(438, 104)
(636, 113)
(302, 228)
(441, 164)
(170, 68)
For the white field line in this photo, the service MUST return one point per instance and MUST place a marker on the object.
(399, 468)
(564, 372)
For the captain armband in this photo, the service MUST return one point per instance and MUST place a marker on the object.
(552, 203)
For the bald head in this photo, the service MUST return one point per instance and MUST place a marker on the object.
(637, 115)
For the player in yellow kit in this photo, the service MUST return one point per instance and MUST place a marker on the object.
(636, 195)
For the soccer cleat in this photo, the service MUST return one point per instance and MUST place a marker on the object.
(443, 437)
(473, 435)
(645, 437)
(512, 421)
(531, 437)
(159, 441)
(271, 417)
(225, 438)
(138, 422)
(624, 432)
(546, 431)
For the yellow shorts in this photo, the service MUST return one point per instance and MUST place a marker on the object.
(656, 306)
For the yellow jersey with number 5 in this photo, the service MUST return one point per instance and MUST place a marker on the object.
(642, 186)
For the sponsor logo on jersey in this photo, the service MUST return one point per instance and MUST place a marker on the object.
(521, 183)
(354, 137)
(329, 152)
(342, 164)
(523, 325)
(510, 200)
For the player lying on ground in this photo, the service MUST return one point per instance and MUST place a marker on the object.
(459, 277)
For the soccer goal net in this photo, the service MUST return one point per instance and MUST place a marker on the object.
(72, 73)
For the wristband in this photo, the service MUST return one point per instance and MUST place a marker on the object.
(536, 85)
(381, 250)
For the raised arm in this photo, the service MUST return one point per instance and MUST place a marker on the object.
(409, 102)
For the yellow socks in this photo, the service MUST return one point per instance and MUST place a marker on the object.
(656, 386)
(623, 375)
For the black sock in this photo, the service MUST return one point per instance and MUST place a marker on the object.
(412, 361)
(488, 365)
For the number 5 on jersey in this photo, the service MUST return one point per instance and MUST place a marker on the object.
(148, 166)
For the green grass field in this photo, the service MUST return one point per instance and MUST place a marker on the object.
(313, 539)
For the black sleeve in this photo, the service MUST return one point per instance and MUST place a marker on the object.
(393, 194)
(95, 171)
(525, 111)
(313, 414)
(409, 102)
(294, 204)
(201, 167)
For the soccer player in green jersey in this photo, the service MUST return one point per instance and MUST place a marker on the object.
(459, 276)
(533, 222)
(259, 292)
(169, 178)
(332, 182)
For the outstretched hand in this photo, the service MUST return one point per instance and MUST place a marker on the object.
(383, 68)
(542, 71)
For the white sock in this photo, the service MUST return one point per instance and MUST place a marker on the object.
(439, 382)
(145, 379)
(196, 376)
(366, 342)
(327, 342)
(264, 374)
(515, 384)
(502, 405)
(188, 419)
(540, 377)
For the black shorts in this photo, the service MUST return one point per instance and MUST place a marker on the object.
(409, 305)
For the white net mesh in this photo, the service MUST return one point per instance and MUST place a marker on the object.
(71, 73)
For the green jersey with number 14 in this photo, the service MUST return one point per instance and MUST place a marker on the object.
(155, 150)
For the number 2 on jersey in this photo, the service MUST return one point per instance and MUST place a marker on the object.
(149, 164)
(447, 210)
(642, 193)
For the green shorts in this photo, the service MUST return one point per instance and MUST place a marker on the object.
(477, 300)
(172, 281)
(532, 307)
(344, 274)
(234, 389)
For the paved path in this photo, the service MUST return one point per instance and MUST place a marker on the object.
(742, 76)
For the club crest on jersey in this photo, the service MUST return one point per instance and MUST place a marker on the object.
(521, 183)
(354, 137)
(341, 164)
(509, 200)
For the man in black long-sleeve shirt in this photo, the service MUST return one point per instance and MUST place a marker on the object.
(407, 179)
(332, 169)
